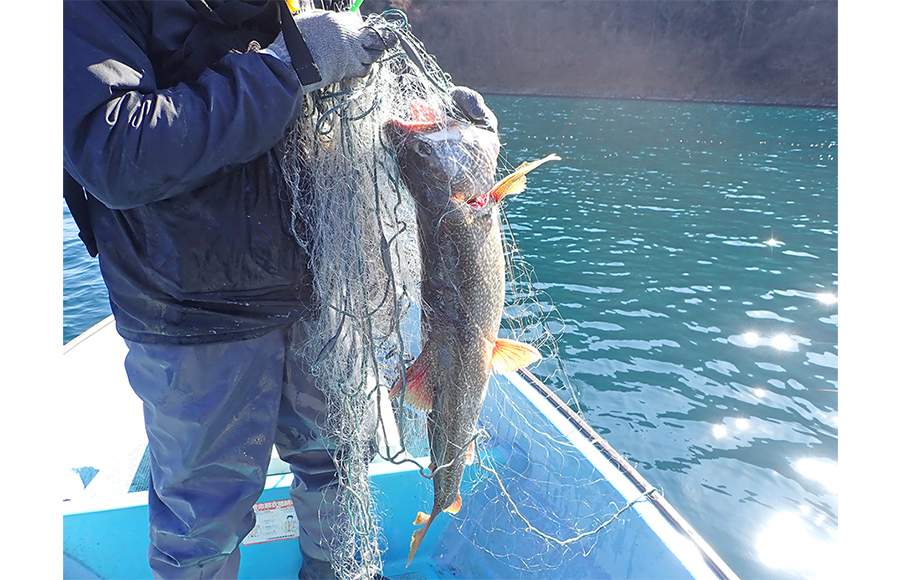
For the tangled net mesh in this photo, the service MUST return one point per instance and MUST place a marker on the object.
(357, 221)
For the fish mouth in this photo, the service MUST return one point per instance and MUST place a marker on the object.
(448, 150)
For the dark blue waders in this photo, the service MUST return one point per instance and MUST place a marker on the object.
(212, 414)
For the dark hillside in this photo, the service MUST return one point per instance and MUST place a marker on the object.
(776, 51)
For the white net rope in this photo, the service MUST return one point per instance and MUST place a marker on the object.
(358, 222)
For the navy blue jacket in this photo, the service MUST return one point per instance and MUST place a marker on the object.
(188, 206)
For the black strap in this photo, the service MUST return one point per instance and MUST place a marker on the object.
(76, 199)
(301, 58)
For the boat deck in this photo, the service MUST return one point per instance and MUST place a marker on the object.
(541, 447)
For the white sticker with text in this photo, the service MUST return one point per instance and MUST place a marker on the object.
(275, 520)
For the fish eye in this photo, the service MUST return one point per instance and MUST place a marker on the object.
(422, 148)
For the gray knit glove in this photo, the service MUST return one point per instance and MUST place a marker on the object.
(341, 44)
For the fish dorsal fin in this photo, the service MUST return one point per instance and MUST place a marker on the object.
(515, 182)
(510, 356)
(419, 393)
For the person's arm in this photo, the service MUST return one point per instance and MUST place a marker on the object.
(130, 142)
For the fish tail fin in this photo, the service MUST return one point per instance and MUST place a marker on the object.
(515, 182)
(423, 518)
(419, 535)
(419, 393)
(510, 355)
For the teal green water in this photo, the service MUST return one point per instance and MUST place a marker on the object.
(691, 251)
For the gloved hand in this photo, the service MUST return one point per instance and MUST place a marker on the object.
(341, 44)
(471, 104)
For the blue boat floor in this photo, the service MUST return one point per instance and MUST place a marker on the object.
(428, 571)
(73, 570)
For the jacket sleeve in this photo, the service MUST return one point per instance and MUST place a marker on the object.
(131, 143)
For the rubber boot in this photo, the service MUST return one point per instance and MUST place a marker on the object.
(313, 569)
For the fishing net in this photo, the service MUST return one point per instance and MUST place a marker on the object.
(357, 221)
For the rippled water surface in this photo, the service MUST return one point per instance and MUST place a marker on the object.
(691, 251)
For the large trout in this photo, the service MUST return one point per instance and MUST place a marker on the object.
(449, 169)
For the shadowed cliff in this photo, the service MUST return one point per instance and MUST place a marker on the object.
(778, 52)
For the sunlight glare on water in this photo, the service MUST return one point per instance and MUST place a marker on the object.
(791, 542)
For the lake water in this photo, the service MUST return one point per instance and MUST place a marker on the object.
(691, 251)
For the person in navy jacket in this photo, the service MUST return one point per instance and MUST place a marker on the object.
(174, 114)
(173, 124)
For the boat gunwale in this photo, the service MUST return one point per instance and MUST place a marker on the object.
(88, 333)
(710, 557)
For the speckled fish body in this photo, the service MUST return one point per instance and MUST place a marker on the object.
(449, 170)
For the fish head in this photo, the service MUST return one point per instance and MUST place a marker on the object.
(444, 162)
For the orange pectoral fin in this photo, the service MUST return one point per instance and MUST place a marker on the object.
(510, 356)
(515, 182)
(419, 393)
(470, 454)
(455, 506)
